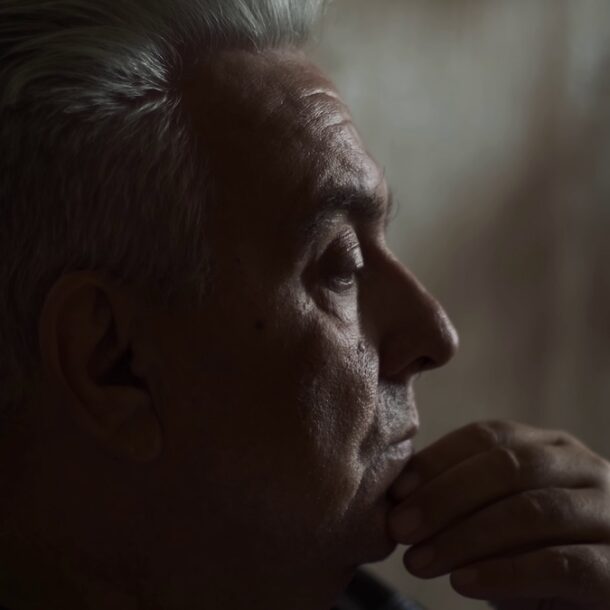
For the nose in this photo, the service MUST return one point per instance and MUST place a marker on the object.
(416, 332)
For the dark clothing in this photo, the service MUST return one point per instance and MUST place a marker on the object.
(366, 593)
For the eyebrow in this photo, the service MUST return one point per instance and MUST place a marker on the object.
(359, 205)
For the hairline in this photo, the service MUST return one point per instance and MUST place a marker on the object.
(145, 61)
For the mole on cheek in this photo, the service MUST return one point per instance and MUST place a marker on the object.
(260, 325)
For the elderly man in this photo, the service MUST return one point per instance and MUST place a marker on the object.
(208, 349)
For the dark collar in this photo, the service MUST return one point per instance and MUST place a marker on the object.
(365, 592)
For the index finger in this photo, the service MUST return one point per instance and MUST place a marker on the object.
(464, 443)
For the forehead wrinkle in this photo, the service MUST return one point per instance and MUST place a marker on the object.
(277, 80)
(330, 112)
(326, 100)
(353, 186)
(317, 113)
(323, 91)
(304, 128)
(348, 182)
(294, 99)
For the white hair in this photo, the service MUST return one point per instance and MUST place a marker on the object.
(99, 169)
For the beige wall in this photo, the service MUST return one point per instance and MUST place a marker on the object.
(491, 118)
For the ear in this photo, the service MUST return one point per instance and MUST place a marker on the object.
(90, 354)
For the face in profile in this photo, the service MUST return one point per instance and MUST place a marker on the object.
(288, 397)
(285, 401)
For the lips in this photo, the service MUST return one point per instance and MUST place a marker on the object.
(401, 452)
(398, 413)
(405, 436)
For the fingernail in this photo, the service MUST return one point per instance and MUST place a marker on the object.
(407, 522)
(406, 485)
(421, 558)
(464, 578)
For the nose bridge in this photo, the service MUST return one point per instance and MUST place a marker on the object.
(418, 332)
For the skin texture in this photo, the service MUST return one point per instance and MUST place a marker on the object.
(237, 455)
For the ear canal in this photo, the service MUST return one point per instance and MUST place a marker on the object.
(121, 372)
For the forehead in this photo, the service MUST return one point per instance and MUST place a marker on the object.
(278, 136)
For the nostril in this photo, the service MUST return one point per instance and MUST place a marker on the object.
(419, 338)
(413, 370)
(424, 364)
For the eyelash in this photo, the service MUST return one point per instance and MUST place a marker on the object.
(346, 267)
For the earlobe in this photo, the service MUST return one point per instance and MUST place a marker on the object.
(87, 343)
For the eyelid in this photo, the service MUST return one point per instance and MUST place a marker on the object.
(352, 245)
(348, 243)
(346, 262)
(348, 238)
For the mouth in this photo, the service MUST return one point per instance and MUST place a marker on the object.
(401, 451)
(406, 436)
(399, 415)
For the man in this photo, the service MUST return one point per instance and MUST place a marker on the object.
(209, 351)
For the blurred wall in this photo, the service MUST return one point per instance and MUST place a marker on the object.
(492, 121)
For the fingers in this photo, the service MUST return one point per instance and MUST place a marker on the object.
(526, 508)
(467, 442)
(483, 479)
(566, 574)
(533, 519)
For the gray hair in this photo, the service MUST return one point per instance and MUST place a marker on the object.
(99, 169)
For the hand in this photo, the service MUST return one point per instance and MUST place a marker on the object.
(525, 511)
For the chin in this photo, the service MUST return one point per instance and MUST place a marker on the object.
(365, 536)
(368, 525)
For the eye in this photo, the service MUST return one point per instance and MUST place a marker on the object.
(342, 263)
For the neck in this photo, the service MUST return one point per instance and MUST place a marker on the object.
(33, 576)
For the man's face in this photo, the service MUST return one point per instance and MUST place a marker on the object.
(288, 397)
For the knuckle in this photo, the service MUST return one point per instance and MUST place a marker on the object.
(547, 509)
(533, 508)
(597, 478)
(576, 570)
(525, 466)
(488, 434)
(510, 467)
(564, 438)
(575, 565)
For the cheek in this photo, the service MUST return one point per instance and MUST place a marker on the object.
(336, 398)
(337, 401)
(288, 401)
